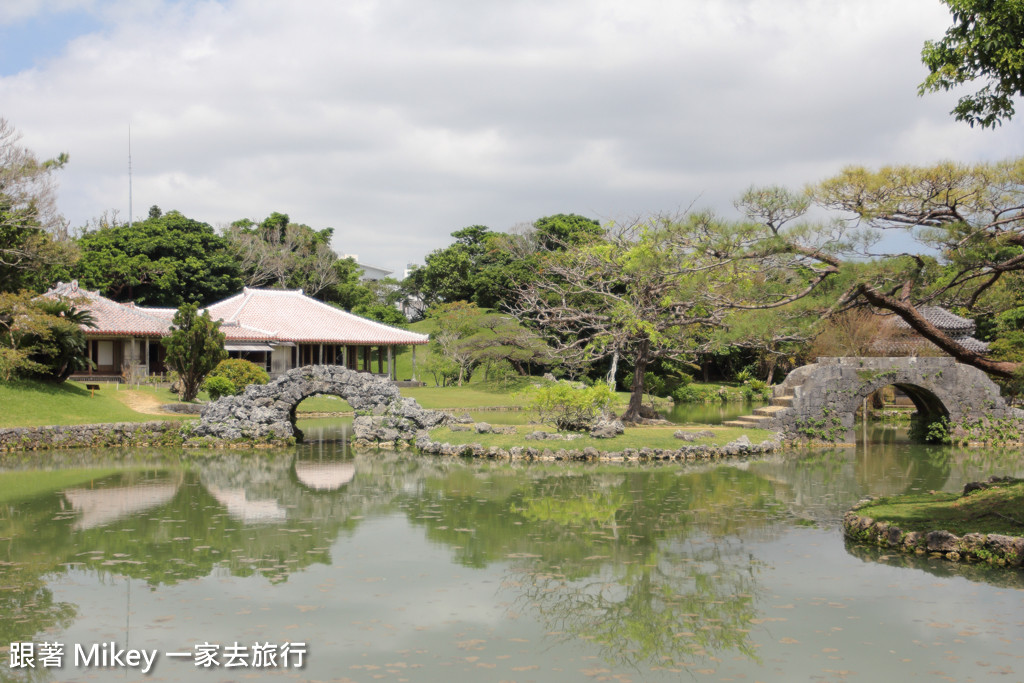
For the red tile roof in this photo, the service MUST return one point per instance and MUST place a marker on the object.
(291, 316)
(267, 315)
(111, 318)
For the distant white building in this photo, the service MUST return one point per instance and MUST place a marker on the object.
(369, 272)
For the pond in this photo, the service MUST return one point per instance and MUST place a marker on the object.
(400, 567)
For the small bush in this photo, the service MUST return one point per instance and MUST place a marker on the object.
(219, 386)
(756, 390)
(569, 407)
(240, 372)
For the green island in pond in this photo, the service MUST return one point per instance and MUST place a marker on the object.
(984, 523)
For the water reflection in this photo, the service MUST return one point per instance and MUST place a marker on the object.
(324, 475)
(100, 505)
(708, 413)
(648, 568)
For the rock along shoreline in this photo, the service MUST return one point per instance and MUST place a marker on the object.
(739, 448)
(996, 549)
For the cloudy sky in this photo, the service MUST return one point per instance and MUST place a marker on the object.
(397, 122)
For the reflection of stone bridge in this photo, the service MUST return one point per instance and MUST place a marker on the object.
(268, 411)
(818, 401)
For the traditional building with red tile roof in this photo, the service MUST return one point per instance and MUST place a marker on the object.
(277, 329)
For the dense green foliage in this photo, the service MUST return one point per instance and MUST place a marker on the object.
(34, 245)
(165, 260)
(478, 268)
(487, 268)
(568, 406)
(632, 294)
(466, 337)
(219, 386)
(61, 349)
(194, 348)
(240, 372)
(986, 43)
(40, 337)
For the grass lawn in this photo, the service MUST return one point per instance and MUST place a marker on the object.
(477, 395)
(26, 403)
(996, 510)
(323, 404)
(635, 437)
(472, 396)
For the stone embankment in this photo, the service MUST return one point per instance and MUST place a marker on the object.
(992, 548)
(155, 433)
(740, 448)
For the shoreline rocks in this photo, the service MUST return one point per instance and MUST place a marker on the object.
(113, 434)
(996, 549)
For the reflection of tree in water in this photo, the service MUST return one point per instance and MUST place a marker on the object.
(823, 483)
(645, 562)
(27, 607)
(686, 603)
(181, 531)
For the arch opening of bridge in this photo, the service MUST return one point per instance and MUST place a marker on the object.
(928, 408)
(819, 401)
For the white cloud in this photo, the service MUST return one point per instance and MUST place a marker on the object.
(398, 122)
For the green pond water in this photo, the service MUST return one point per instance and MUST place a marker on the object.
(401, 567)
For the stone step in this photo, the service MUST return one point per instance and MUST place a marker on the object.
(753, 421)
(784, 401)
(768, 411)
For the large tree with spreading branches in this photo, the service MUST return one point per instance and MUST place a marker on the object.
(634, 294)
(908, 237)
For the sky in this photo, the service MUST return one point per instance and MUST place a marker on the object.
(398, 122)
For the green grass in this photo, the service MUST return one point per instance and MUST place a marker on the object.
(476, 395)
(27, 403)
(323, 404)
(634, 437)
(997, 510)
(472, 396)
(28, 484)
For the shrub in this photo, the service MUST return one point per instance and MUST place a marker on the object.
(570, 407)
(240, 372)
(219, 386)
(756, 390)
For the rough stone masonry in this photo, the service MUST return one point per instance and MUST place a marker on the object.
(267, 412)
(818, 401)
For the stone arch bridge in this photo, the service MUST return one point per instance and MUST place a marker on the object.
(267, 412)
(818, 401)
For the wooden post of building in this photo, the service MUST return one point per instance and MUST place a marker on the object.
(391, 365)
(414, 362)
(380, 360)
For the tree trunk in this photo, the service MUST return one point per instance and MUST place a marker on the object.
(933, 334)
(613, 370)
(636, 397)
